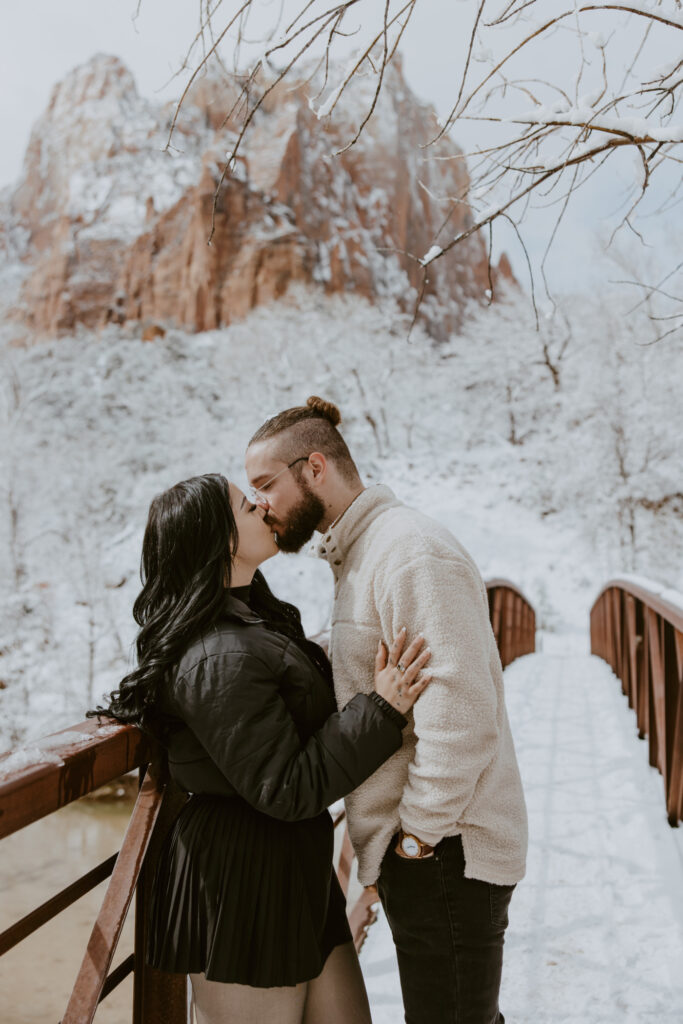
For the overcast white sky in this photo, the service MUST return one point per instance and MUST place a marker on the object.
(42, 40)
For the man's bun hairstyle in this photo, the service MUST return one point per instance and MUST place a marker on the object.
(328, 410)
(303, 429)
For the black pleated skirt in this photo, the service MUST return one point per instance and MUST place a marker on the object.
(245, 898)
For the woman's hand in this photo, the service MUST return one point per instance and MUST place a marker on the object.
(397, 674)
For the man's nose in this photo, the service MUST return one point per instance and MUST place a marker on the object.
(261, 502)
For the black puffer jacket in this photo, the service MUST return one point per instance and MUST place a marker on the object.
(251, 715)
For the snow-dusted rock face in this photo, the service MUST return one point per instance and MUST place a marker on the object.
(118, 228)
(94, 173)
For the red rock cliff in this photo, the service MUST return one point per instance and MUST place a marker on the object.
(118, 229)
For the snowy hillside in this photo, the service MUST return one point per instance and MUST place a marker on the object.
(553, 456)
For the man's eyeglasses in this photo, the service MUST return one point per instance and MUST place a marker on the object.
(259, 494)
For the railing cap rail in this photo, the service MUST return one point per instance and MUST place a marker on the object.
(45, 774)
(666, 601)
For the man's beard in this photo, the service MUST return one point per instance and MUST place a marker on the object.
(302, 520)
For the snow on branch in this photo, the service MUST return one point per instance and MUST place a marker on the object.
(616, 89)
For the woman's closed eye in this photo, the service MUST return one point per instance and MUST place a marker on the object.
(252, 508)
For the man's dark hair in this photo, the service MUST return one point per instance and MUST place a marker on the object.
(309, 428)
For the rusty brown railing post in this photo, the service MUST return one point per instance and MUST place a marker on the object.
(513, 620)
(675, 668)
(104, 937)
(637, 627)
(158, 997)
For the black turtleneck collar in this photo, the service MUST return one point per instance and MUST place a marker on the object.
(241, 593)
(238, 604)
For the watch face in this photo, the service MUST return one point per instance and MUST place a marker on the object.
(410, 846)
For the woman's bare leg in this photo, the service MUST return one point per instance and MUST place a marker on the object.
(337, 995)
(218, 1003)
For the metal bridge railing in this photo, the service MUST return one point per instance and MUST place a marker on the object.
(513, 620)
(81, 759)
(637, 627)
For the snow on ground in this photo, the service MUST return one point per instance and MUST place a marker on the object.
(596, 926)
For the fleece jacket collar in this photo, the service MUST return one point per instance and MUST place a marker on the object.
(339, 538)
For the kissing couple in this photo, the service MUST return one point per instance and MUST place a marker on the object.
(406, 720)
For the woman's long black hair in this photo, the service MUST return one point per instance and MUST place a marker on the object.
(189, 544)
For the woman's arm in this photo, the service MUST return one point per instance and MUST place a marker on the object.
(231, 702)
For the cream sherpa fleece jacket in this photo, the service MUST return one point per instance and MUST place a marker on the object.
(456, 772)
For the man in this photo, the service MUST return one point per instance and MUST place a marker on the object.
(441, 827)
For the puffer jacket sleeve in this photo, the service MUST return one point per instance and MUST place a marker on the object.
(232, 704)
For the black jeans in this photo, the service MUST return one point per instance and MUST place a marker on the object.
(448, 931)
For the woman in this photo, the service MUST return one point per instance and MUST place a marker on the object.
(245, 898)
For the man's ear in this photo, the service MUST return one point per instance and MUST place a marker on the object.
(318, 465)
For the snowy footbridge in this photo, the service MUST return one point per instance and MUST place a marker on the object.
(596, 931)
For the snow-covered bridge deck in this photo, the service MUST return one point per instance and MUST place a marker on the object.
(596, 927)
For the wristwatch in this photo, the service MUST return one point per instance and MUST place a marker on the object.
(411, 846)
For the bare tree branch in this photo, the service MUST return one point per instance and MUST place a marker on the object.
(541, 156)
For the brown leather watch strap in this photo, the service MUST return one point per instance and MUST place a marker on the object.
(425, 850)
